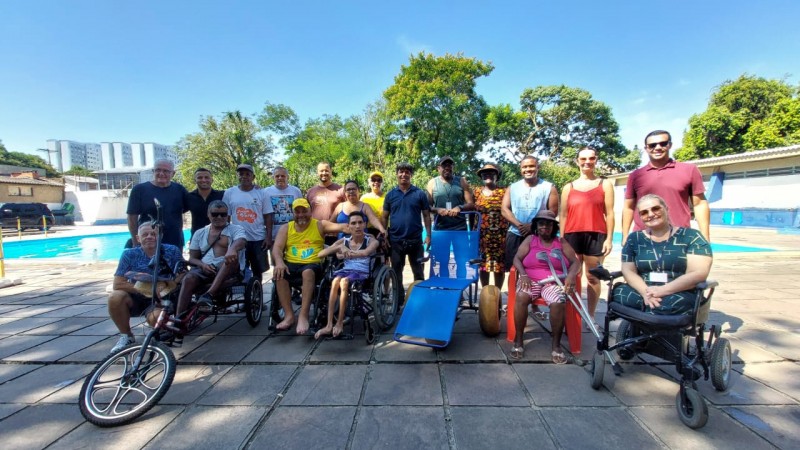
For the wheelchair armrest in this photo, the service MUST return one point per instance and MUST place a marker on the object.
(603, 274)
(708, 284)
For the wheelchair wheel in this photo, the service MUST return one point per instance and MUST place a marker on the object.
(275, 311)
(111, 395)
(721, 364)
(253, 301)
(625, 332)
(385, 297)
(598, 368)
(692, 409)
(489, 310)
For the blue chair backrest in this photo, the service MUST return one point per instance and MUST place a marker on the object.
(464, 245)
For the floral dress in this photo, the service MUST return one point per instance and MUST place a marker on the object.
(493, 229)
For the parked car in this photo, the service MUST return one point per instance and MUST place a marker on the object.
(30, 215)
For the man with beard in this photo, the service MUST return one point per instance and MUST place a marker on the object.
(200, 198)
(324, 197)
(252, 210)
(449, 195)
(297, 261)
(173, 199)
(404, 205)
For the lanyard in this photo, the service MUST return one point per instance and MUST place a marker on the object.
(655, 253)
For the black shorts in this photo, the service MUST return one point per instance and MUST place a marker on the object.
(513, 242)
(140, 305)
(256, 257)
(295, 275)
(586, 242)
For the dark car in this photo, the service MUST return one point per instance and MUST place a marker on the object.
(29, 214)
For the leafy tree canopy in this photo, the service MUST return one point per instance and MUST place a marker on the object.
(79, 171)
(25, 160)
(746, 114)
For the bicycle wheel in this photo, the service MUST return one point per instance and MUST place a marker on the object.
(114, 394)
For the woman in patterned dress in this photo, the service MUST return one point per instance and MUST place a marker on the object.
(488, 200)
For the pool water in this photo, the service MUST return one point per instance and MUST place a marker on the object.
(109, 247)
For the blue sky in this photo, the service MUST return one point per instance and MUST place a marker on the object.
(141, 71)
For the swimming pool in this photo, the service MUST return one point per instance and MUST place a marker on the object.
(109, 247)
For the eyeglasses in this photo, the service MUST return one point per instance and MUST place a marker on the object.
(653, 145)
(167, 171)
(219, 214)
(655, 210)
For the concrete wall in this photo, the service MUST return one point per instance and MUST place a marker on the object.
(98, 207)
(41, 194)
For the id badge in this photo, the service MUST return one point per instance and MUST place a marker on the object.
(448, 205)
(659, 277)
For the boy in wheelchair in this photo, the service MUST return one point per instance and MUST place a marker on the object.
(215, 252)
(356, 251)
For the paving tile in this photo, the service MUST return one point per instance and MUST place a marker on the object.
(37, 384)
(15, 344)
(567, 385)
(5, 310)
(25, 324)
(222, 324)
(132, 436)
(11, 371)
(73, 310)
(594, 430)
(745, 351)
(107, 328)
(224, 349)
(93, 353)
(403, 384)
(400, 427)
(297, 427)
(191, 429)
(387, 349)
(52, 422)
(467, 322)
(64, 326)
(190, 343)
(191, 382)
(243, 328)
(537, 347)
(641, 385)
(472, 347)
(481, 428)
(248, 385)
(327, 385)
(483, 385)
(341, 350)
(777, 424)
(32, 311)
(281, 349)
(9, 409)
(783, 377)
(666, 424)
(743, 390)
(55, 349)
(782, 343)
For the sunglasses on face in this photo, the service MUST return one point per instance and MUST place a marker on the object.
(653, 145)
(219, 214)
(654, 211)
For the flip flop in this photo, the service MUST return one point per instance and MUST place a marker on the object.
(516, 353)
(559, 357)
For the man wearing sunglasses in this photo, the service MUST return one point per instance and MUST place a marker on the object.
(675, 182)
(216, 253)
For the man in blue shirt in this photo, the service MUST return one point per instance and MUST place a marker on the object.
(402, 208)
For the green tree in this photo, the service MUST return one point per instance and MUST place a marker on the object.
(745, 114)
(437, 110)
(25, 160)
(223, 143)
(554, 122)
(79, 171)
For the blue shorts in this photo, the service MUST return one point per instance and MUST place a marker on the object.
(352, 275)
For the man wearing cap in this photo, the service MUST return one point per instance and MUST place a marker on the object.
(522, 201)
(200, 198)
(401, 210)
(250, 208)
(325, 196)
(173, 199)
(374, 198)
(449, 195)
(297, 260)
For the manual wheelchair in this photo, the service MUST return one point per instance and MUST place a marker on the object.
(679, 339)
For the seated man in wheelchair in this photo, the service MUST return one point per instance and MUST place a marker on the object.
(356, 251)
(297, 261)
(662, 264)
(216, 253)
(130, 297)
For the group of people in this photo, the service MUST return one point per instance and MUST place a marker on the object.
(518, 223)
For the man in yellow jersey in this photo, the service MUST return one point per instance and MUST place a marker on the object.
(296, 252)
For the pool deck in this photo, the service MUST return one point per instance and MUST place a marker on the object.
(243, 387)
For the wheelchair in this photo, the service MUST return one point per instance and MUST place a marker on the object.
(679, 339)
(376, 297)
(321, 289)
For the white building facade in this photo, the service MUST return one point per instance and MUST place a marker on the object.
(108, 155)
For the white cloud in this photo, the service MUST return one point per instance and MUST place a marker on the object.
(411, 47)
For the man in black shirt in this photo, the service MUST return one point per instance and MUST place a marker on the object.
(172, 197)
(200, 198)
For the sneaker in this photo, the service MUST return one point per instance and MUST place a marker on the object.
(205, 303)
(124, 341)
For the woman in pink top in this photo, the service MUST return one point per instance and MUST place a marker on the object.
(587, 213)
(544, 238)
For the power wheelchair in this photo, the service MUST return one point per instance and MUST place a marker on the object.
(679, 339)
